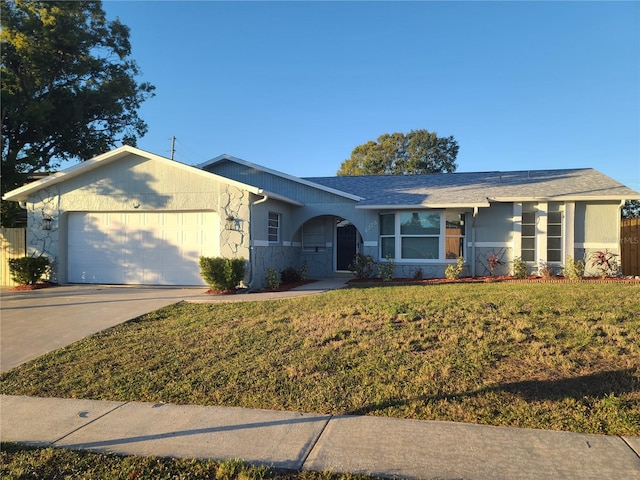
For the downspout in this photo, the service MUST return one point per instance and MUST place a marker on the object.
(618, 230)
(473, 242)
(251, 254)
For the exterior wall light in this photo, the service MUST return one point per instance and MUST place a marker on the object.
(46, 223)
(233, 223)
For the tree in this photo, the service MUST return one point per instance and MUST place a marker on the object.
(68, 87)
(631, 209)
(419, 151)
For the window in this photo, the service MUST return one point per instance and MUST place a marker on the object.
(554, 232)
(387, 235)
(274, 227)
(528, 242)
(425, 235)
(535, 221)
(454, 235)
(313, 238)
(420, 235)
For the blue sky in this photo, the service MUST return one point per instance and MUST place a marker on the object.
(295, 86)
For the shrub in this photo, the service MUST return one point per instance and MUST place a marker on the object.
(418, 274)
(520, 268)
(28, 270)
(453, 272)
(303, 270)
(605, 261)
(272, 279)
(290, 275)
(362, 266)
(494, 261)
(386, 269)
(546, 271)
(222, 273)
(574, 269)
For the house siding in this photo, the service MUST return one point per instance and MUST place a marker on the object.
(494, 235)
(597, 228)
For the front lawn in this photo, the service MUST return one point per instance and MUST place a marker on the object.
(552, 356)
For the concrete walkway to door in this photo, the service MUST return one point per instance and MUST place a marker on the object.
(35, 322)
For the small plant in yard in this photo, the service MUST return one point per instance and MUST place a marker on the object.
(386, 269)
(303, 270)
(28, 270)
(362, 266)
(222, 273)
(418, 274)
(272, 278)
(453, 272)
(493, 261)
(545, 271)
(520, 268)
(574, 269)
(605, 261)
(290, 275)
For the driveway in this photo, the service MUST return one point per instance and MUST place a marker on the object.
(35, 322)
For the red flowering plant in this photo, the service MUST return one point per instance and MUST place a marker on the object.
(605, 261)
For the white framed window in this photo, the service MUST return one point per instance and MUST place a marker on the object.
(273, 233)
(554, 232)
(422, 235)
(528, 235)
(388, 235)
(454, 235)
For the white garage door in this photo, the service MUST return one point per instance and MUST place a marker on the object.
(140, 248)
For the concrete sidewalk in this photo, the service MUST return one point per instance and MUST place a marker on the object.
(306, 441)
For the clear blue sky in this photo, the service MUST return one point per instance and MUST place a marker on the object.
(295, 86)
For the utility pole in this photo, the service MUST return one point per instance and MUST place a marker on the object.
(173, 146)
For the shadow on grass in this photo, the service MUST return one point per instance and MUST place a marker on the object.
(615, 382)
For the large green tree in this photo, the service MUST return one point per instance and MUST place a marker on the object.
(418, 151)
(69, 88)
(631, 209)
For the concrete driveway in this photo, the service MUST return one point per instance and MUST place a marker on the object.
(35, 322)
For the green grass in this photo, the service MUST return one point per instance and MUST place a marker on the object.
(551, 356)
(21, 462)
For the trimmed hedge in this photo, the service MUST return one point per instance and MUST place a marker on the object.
(28, 270)
(222, 273)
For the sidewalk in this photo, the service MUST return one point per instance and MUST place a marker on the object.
(306, 441)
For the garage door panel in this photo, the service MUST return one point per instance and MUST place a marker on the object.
(140, 248)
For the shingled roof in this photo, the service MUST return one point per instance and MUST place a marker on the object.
(479, 189)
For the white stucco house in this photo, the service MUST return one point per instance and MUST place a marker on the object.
(132, 217)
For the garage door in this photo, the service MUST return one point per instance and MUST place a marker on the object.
(140, 248)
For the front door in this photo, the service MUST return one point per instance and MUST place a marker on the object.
(346, 240)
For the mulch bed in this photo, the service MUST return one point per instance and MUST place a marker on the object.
(282, 288)
(36, 286)
(492, 279)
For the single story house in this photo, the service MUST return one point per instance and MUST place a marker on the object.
(132, 217)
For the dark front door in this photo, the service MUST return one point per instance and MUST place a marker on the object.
(346, 248)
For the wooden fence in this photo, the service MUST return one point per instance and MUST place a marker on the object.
(630, 246)
(14, 245)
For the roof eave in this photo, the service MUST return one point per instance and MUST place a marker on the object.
(565, 198)
(433, 206)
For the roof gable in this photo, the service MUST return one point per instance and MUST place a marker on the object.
(75, 171)
(210, 165)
